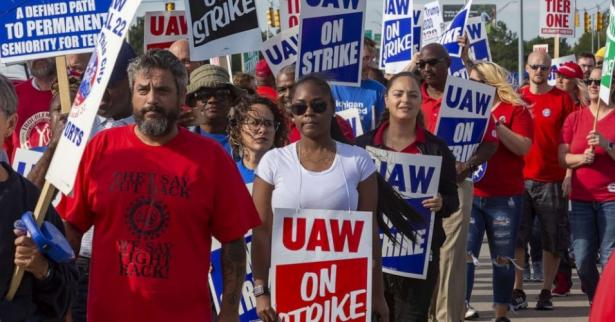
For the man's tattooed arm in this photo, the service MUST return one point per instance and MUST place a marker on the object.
(233, 276)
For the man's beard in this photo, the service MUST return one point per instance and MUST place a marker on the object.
(156, 127)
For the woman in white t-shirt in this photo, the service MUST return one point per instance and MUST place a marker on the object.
(315, 172)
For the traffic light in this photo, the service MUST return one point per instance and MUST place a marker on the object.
(576, 18)
(599, 21)
(276, 18)
(270, 17)
(587, 24)
(169, 6)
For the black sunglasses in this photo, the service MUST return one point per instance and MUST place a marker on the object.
(218, 93)
(432, 62)
(591, 81)
(299, 108)
(542, 67)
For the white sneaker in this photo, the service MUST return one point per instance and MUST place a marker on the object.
(471, 313)
(537, 272)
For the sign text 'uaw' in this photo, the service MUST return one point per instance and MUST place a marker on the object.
(416, 178)
(321, 261)
(464, 115)
(331, 40)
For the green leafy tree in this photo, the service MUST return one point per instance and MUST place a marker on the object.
(135, 35)
(584, 44)
(503, 45)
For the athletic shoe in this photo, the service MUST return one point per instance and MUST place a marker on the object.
(471, 313)
(544, 301)
(537, 272)
(502, 319)
(519, 300)
(562, 285)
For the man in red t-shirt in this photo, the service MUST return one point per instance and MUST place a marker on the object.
(33, 120)
(157, 194)
(543, 198)
(433, 63)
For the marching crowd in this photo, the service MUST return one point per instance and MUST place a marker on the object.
(176, 142)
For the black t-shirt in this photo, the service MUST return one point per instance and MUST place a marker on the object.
(47, 299)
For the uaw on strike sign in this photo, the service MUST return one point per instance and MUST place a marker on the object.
(416, 178)
(38, 29)
(331, 40)
(557, 18)
(322, 265)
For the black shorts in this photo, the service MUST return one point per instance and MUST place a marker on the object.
(545, 201)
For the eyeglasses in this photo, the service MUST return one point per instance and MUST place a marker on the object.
(591, 81)
(477, 80)
(254, 124)
(299, 108)
(542, 67)
(432, 62)
(206, 93)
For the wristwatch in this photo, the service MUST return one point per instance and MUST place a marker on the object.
(261, 290)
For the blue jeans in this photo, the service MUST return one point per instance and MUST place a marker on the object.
(499, 218)
(593, 230)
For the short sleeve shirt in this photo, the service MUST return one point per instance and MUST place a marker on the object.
(155, 209)
(594, 182)
(333, 189)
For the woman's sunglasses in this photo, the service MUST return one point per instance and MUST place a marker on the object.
(299, 108)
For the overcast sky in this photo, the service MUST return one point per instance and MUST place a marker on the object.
(508, 11)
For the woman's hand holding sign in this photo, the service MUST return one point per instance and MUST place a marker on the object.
(264, 309)
(434, 204)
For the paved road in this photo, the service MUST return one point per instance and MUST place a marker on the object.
(573, 308)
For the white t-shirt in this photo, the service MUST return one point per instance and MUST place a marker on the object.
(333, 189)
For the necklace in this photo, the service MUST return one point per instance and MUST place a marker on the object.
(304, 157)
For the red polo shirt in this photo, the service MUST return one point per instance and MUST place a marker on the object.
(410, 149)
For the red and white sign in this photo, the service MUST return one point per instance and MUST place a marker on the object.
(162, 28)
(289, 13)
(557, 18)
(541, 47)
(321, 261)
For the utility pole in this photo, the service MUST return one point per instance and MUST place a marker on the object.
(520, 45)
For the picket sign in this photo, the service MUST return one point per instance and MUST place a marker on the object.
(464, 115)
(397, 45)
(162, 28)
(64, 165)
(321, 262)
(606, 80)
(415, 177)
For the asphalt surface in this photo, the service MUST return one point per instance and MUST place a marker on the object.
(574, 307)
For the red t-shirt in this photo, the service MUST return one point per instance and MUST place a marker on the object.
(602, 308)
(33, 119)
(430, 108)
(549, 111)
(294, 135)
(504, 173)
(155, 211)
(594, 182)
(410, 149)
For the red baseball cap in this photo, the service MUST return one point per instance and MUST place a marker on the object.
(570, 69)
(262, 69)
